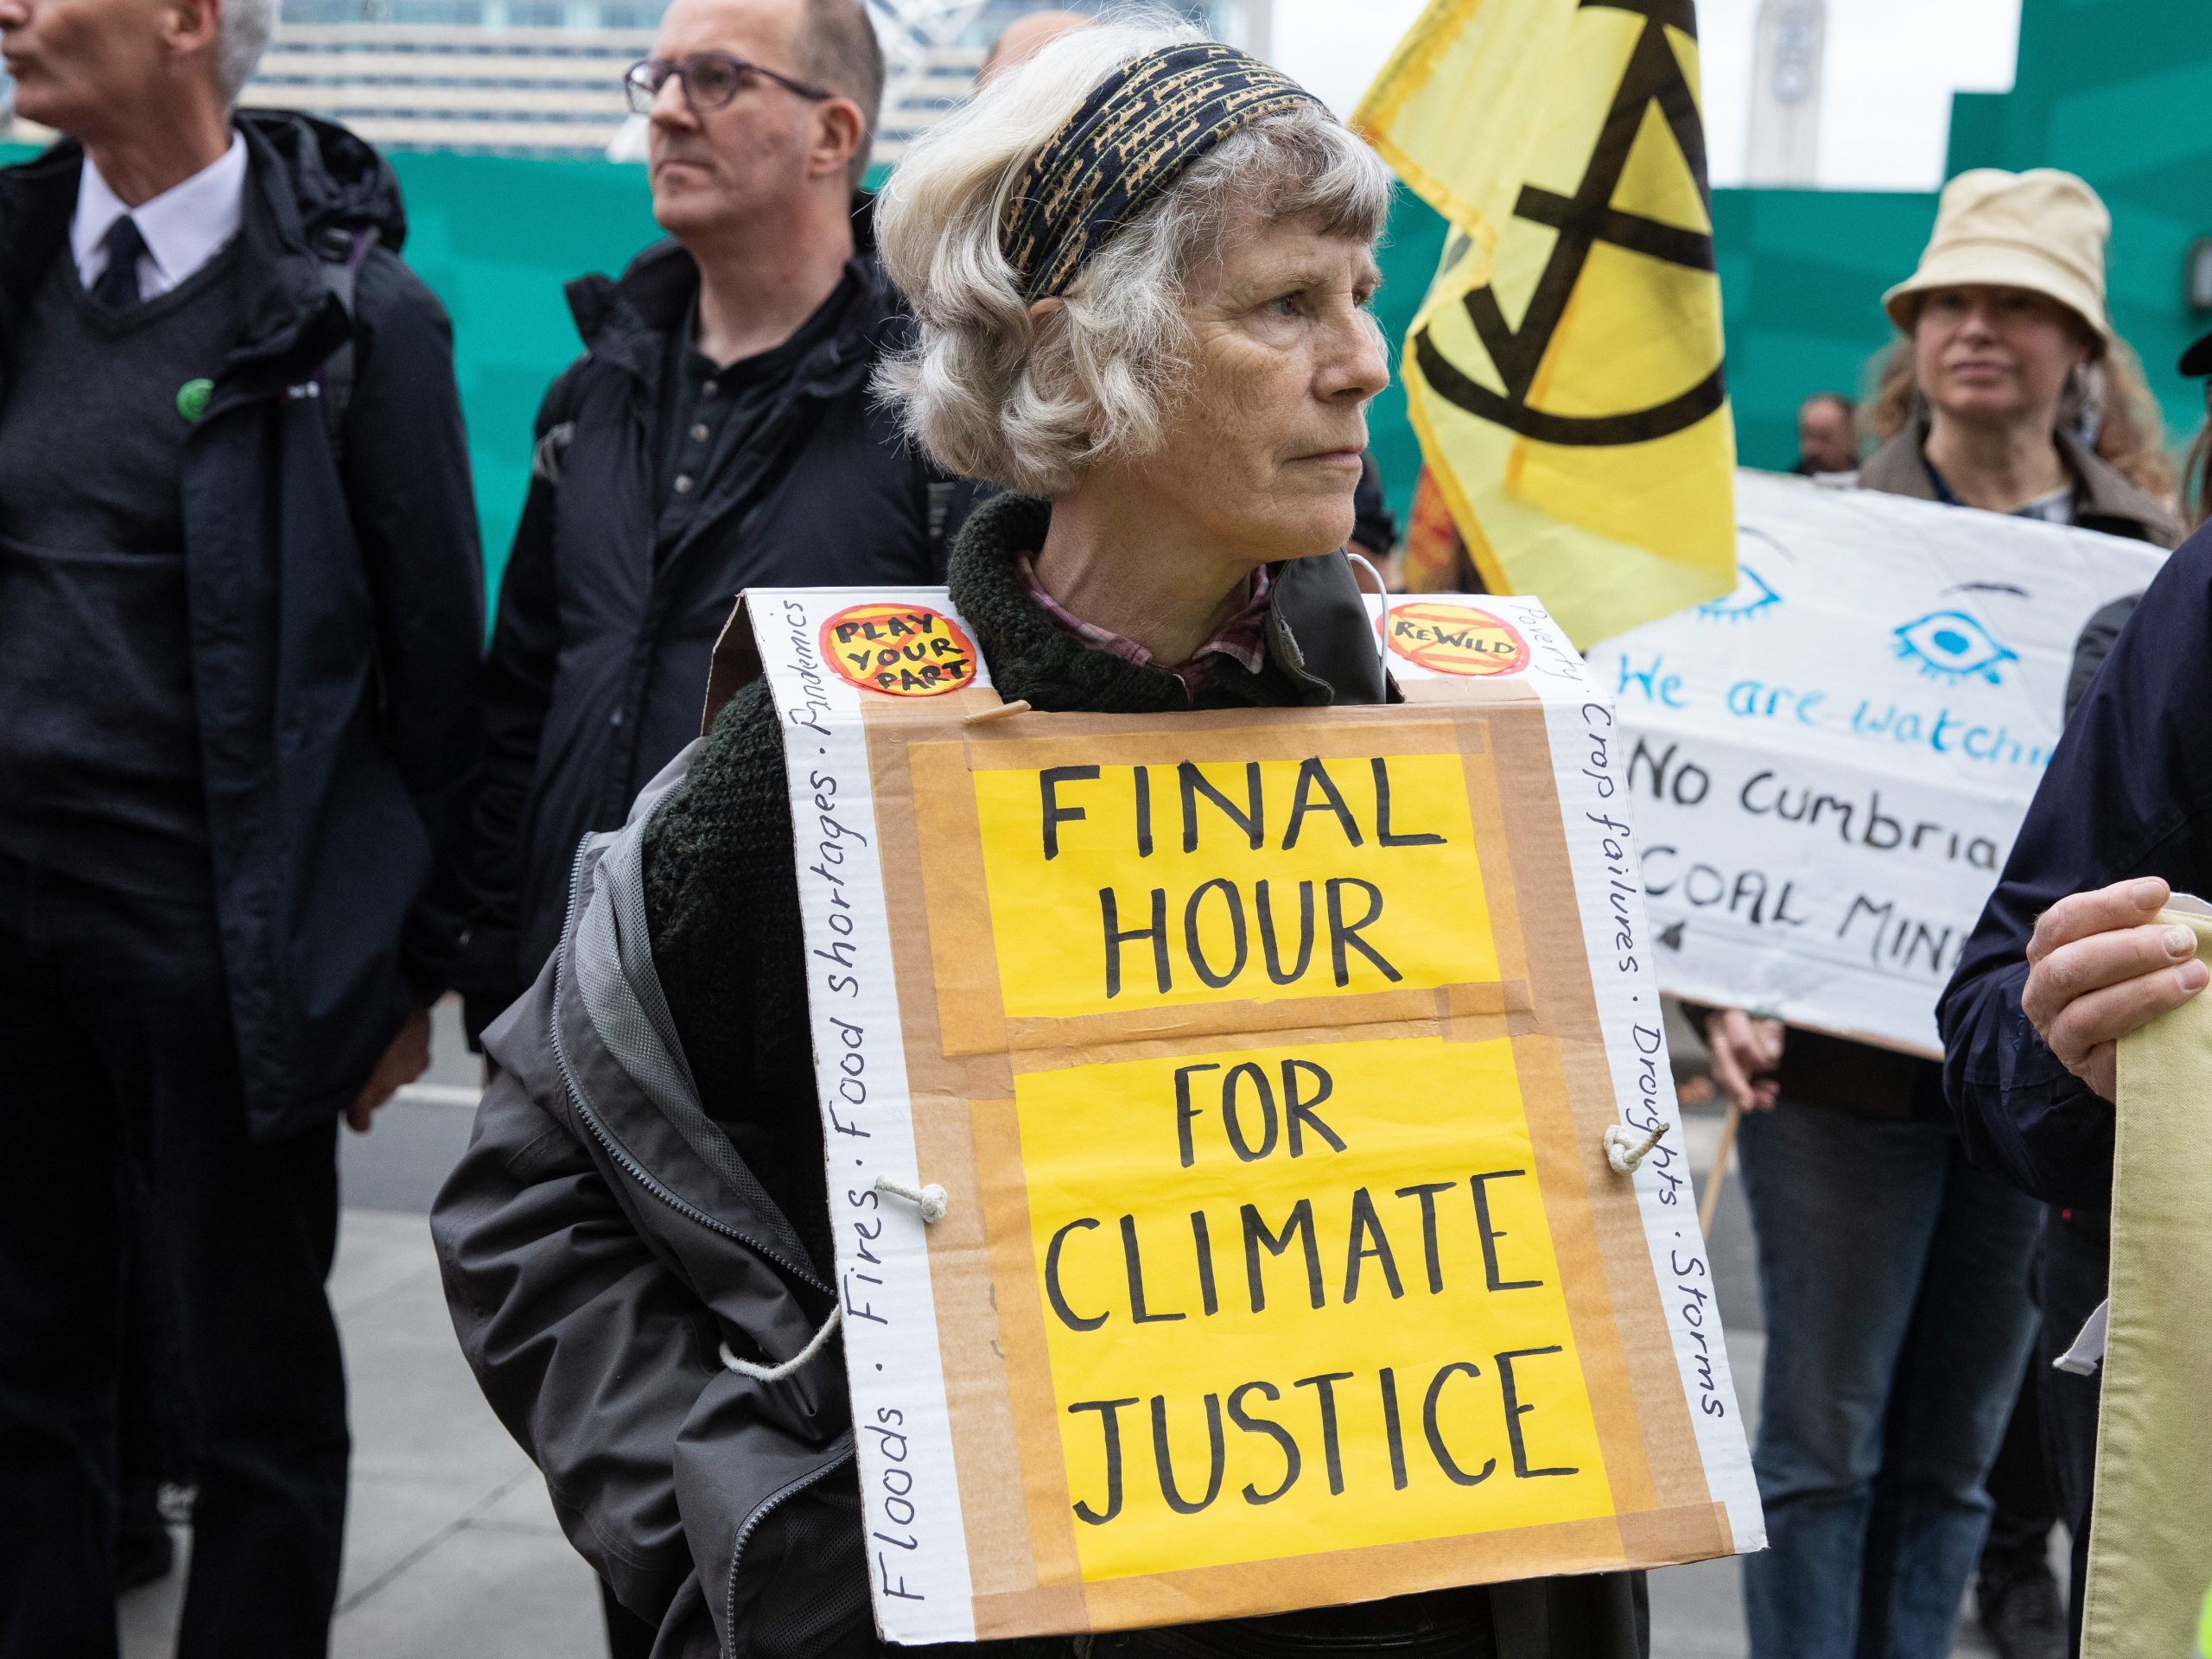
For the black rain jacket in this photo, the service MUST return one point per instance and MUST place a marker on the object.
(2128, 793)
(599, 655)
(335, 594)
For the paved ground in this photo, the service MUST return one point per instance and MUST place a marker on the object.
(452, 1550)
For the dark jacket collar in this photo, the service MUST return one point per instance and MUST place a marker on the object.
(626, 321)
(1321, 648)
(305, 179)
(2107, 501)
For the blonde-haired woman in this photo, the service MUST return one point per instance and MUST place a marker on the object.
(1161, 345)
(2106, 406)
(2009, 391)
(1894, 1268)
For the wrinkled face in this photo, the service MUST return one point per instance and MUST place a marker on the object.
(80, 66)
(1996, 354)
(717, 171)
(1262, 447)
(1824, 437)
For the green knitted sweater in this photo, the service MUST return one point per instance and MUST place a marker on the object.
(722, 889)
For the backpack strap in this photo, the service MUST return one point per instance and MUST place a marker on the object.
(939, 492)
(339, 255)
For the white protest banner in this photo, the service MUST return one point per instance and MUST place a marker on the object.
(1216, 1108)
(1828, 765)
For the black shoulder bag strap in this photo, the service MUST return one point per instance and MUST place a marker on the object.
(339, 256)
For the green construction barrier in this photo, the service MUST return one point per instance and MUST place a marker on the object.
(1802, 274)
(497, 238)
(2119, 90)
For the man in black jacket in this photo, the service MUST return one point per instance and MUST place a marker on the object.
(240, 605)
(2069, 957)
(718, 433)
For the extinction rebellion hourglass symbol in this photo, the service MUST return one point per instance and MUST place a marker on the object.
(1653, 75)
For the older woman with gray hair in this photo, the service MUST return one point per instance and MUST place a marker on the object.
(1139, 266)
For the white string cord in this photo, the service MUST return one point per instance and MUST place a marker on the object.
(778, 1373)
(930, 1200)
(1625, 1149)
(1382, 591)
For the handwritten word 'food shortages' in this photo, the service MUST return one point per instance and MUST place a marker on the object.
(1265, 1059)
(1828, 765)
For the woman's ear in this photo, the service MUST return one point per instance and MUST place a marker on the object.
(1048, 320)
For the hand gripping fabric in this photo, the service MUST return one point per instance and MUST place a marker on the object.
(2151, 1532)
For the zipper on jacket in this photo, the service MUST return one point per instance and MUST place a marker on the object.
(630, 1165)
(644, 1178)
(745, 1534)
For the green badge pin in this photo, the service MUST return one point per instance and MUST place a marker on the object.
(192, 398)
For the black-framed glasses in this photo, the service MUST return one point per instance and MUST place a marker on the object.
(710, 80)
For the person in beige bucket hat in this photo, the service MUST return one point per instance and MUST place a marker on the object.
(2042, 231)
(2010, 391)
(1895, 1271)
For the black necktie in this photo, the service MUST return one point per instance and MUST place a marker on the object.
(118, 287)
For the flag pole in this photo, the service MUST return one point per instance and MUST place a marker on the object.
(1718, 1177)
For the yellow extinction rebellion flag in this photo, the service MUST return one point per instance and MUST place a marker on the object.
(1565, 372)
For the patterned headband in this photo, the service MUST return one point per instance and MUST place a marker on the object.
(1138, 132)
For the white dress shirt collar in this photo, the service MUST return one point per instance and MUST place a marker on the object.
(185, 226)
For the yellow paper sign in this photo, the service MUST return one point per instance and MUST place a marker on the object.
(1225, 882)
(1316, 1281)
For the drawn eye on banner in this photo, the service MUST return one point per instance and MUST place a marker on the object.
(1753, 593)
(1952, 647)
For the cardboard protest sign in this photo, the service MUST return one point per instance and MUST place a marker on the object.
(1264, 1059)
(1828, 765)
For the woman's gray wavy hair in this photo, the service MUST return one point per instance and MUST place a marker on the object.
(990, 393)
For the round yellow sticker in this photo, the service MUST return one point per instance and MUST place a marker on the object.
(905, 650)
(1447, 639)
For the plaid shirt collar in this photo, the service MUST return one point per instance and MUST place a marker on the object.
(1242, 638)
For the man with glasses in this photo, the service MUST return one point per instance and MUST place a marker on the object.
(717, 433)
